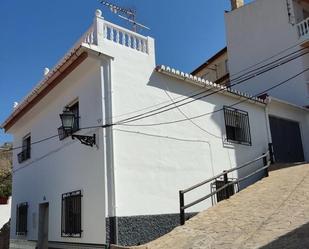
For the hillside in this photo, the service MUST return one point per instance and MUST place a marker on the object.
(5, 169)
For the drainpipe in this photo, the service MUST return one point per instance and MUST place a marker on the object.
(105, 74)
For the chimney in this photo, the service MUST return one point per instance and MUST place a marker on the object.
(236, 4)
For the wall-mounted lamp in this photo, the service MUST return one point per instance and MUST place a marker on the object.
(67, 120)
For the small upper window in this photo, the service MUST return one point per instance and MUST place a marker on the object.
(75, 109)
(71, 214)
(26, 149)
(237, 126)
(21, 219)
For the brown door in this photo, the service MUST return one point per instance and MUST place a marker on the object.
(43, 226)
(287, 142)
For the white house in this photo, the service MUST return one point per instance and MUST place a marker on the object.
(123, 189)
(264, 32)
(267, 45)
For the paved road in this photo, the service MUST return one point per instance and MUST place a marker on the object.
(273, 213)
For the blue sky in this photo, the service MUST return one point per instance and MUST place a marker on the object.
(36, 34)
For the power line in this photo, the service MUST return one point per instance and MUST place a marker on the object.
(53, 136)
(135, 118)
(221, 109)
(181, 120)
(268, 58)
(191, 92)
(239, 77)
(165, 137)
(186, 116)
(153, 112)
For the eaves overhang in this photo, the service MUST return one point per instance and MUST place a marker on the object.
(221, 89)
(67, 64)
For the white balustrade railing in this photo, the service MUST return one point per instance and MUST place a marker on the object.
(124, 37)
(303, 27)
(88, 37)
(103, 30)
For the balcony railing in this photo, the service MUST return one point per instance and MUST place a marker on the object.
(103, 31)
(125, 37)
(24, 155)
(303, 28)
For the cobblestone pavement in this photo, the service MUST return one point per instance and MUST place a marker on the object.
(273, 213)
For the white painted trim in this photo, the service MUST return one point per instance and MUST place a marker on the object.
(105, 72)
(270, 98)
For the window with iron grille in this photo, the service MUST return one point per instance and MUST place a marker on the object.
(71, 214)
(75, 109)
(26, 149)
(237, 126)
(21, 218)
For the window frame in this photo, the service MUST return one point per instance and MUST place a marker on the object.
(241, 132)
(21, 228)
(77, 231)
(25, 153)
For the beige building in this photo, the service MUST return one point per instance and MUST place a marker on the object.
(215, 69)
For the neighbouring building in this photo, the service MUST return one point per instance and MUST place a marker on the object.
(267, 44)
(215, 69)
(124, 188)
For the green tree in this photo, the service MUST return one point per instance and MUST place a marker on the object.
(5, 170)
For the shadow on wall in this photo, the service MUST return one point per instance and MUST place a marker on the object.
(5, 236)
(234, 154)
(296, 239)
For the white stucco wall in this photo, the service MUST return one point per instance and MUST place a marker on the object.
(149, 165)
(260, 30)
(58, 167)
(5, 213)
(150, 170)
(287, 111)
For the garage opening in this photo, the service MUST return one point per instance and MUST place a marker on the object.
(286, 138)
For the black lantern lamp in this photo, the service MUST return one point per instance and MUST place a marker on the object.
(68, 120)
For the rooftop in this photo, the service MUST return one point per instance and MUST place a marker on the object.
(99, 36)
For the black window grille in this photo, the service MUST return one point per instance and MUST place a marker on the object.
(71, 214)
(237, 126)
(26, 149)
(21, 218)
(75, 109)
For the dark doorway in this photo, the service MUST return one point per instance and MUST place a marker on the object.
(286, 138)
(43, 226)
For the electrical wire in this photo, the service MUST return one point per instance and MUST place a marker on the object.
(165, 137)
(203, 91)
(150, 113)
(221, 109)
(132, 119)
(186, 116)
(181, 120)
(268, 58)
(53, 136)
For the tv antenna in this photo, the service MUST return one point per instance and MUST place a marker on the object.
(130, 14)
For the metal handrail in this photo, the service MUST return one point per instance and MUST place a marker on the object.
(221, 174)
(266, 163)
